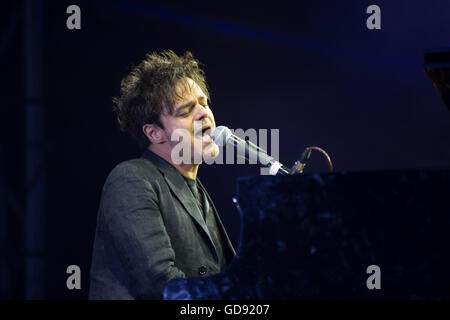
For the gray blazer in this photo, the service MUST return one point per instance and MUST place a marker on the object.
(150, 231)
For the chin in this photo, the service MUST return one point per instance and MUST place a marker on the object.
(211, 150)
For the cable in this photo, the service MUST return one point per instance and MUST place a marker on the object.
(300, 165)
(330, 164)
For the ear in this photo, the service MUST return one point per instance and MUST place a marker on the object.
(154, 133)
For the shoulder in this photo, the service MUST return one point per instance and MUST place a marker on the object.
(139, 169)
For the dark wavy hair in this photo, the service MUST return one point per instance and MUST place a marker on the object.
(150, 89)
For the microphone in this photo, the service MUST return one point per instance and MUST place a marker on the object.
(222, 135)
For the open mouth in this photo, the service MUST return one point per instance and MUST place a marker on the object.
(205, 133)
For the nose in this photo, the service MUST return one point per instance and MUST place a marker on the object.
(202, 112)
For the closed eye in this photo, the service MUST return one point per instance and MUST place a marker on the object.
(186, 111)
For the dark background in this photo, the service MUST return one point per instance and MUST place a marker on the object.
(311, 69)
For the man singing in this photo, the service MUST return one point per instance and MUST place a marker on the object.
(156, 222)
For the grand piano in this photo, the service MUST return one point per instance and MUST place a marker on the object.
(320, 236)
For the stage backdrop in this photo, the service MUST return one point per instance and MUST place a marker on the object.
(313, 70)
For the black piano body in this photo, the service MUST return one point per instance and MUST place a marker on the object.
(315, 236)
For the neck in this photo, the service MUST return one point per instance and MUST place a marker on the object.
(186, 170)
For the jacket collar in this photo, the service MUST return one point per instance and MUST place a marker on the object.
(181, 191)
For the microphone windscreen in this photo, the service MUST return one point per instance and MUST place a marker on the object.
(220, 135)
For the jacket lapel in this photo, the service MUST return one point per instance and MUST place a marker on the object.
(182, 192)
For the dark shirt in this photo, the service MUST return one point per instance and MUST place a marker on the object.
(209, 217)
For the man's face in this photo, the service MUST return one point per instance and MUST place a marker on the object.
(192, 112)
